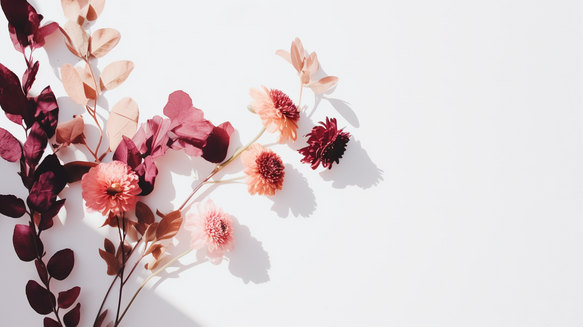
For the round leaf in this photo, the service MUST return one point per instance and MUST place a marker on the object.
(61, 264)
(39, 298)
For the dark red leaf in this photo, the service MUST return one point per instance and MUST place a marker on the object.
(108, 246)
(144, 213)
(39, 298)
(147, 171)
(10, 148)
(41, 195)
(29, 77)
(11, 206)
(24, 240)
(100, 319)
(217, 144)
(67, 298)
(61, 264)
(35, 145)
(113, 265)
(71, 318)
(12, 100)
(76, 170)
(41, 269)
(128, 152)
(46, 220)
(51, 163)
(50, 322)
(47, 111)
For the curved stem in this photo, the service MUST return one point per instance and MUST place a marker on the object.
(225, 180)
(147, 280)
(300, 101)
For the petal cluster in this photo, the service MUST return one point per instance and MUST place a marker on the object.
(211, 227)
(326, 145)
(110, 187)
(277, 112)
(264, 169)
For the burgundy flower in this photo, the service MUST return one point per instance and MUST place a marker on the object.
(326, 145)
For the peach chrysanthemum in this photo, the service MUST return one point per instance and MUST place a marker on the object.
(277, 112)
(213, 228)
(264, 169)
(110, 187)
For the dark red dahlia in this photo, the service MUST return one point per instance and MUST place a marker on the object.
(326, 145)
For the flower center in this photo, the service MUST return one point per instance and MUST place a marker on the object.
(114, 189)
(218, 230)
(270, 167)
(285, 105)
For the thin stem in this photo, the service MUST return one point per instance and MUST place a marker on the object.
(225, 180)
(300, 101)
(94, 114)
(147, 280)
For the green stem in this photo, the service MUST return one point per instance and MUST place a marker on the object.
(147, 280)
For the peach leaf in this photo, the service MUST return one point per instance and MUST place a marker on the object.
(123, 120)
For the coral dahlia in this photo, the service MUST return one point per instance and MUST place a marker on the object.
(326, 145)
(277, 112)
(110, 187)
(264, 169)
(213, 228)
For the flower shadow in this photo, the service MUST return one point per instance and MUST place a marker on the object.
(355, 169)
(296, 195)
(249, 261)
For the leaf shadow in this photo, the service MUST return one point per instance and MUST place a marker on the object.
(355, 169)
(296, 196)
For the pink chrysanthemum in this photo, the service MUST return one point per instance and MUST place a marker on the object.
(277, 112)
(264, 169)
(213, 228)
(326, 145)
(110, 187)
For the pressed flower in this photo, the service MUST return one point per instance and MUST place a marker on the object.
(211, 227)
(326, 145)
(110, 187)
(277, 112)
(264, 169)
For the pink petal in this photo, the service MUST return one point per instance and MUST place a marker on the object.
(323, 84)
(285, 55)
(297, 58)
(312, 64)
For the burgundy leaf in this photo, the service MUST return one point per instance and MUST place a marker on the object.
(46, 220)
(76, 170)
(41, 194)
(29, 77)
(113, 265)
(25, 240)
(35, 145)
(26, 173)
(42, 271)
(152, 137)
(61, 264)
(47, 111)
(11, 206)
(24, 24)
(10, 148)
(144, 213)
(39, 298)
(108, 246)
(217, 144)
(100, 319)
(50, 322)
(67, 298)
(12, 99)
(147, 171)
(7, 77)
(52, 163)
(128, 152)
(71, 318)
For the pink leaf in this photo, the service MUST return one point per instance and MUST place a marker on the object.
(73, 84)
(115, 73)
(323, 84)
(76, 39)
(95, 9)
(312, 64)
(91, 90)
(297, 58)
(178, 102)
(285, 55)
(71, 9)
(123, 120)
(102, 41)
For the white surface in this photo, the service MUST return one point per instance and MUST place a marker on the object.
(458, 201)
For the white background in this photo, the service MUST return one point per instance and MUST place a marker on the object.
(457, 203)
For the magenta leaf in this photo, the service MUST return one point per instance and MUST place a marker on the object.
(61, 264)
(35, 145)
(128, 152)
(41, 195)
(67, 298)
(11, 206)
(71, 318)
(52, 163)
(42, 271)
(39, 298)
(217, 144)
(50, 322)
(26, 244)
(46, 220)
(10, 148)
(29, 77)
(152, 139)
(178, 102)
(147, 171)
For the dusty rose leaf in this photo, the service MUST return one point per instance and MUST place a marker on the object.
(50, 322)
(71, 9)
(35, 145)
(123, 121)
(217, 144)
(89, 87)
(12, 206)
(71, 132)
(323, 84)
(73, 84)
(95, 9)
(76, 170)
(29, 77)
(61, 264)
(24, 240)
(113, 264)
(10, 148)
(144, 213)
(71, 318)
(284, 54)
(296, 57)
(312, 64)
(169, 226)
(76, 39)
(39, 298)
(115, 73)
(178, 102)
(152, 138)
(67, 298)
(102, 41)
